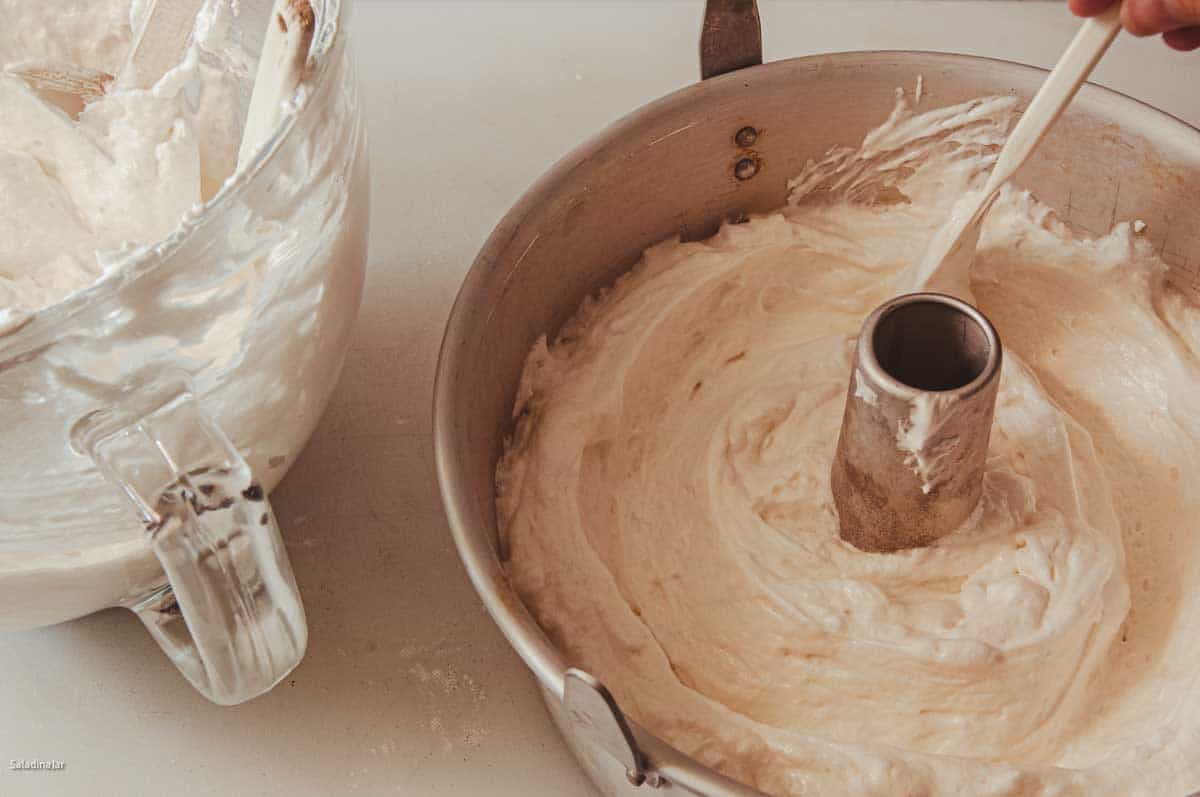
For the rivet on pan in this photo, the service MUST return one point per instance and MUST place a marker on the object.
(745, 168)
(746, 137)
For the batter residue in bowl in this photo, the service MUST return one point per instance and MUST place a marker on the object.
(76, 196)
(665, 499)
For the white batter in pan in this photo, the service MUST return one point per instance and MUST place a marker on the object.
(666, 507)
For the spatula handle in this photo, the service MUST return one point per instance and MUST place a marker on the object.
(1072, 70)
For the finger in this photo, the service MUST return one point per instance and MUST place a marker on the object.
(1147, 17)
(1089, 8)
(1183, 38)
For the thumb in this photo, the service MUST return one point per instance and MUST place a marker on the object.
(1147, 17)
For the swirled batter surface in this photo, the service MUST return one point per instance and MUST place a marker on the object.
(666, 507)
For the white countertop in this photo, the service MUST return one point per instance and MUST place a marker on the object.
(407, 686)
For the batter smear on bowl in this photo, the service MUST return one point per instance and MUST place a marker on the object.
(666, 508)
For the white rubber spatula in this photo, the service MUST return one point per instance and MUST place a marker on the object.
(943, 266)
(281, 67)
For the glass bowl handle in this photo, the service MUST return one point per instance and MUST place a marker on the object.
(230, 615)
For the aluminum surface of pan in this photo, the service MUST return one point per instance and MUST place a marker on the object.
(682, 165)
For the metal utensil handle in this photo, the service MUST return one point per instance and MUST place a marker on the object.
(229, 615)
(731, 37)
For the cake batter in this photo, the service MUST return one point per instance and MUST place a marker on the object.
(80, 194)
(666, 512)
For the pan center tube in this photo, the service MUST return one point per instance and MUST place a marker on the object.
(914, 437)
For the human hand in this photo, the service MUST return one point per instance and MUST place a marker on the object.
(1177, 20)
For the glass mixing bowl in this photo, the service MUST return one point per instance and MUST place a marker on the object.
(146, 417)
